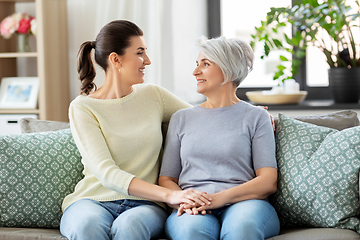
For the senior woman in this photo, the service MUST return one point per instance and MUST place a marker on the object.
(224, 147)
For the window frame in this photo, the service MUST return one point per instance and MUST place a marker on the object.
(214, 30)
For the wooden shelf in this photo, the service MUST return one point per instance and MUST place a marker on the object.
(19, 111)
(51, 58)
(14, 1)
(18, 54)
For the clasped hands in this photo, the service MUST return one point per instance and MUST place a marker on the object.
(201, 204)
(192, 209)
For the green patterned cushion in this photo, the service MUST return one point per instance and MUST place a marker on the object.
(37, 170)
(318, 175)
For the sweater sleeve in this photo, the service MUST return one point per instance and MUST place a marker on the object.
(94, 150)
(171, 163)
(170, 103)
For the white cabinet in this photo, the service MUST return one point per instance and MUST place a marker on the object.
(9, 123)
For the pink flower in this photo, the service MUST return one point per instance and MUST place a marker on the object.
(8, 26)
(24, 26)
(18, 22)
(17, 17)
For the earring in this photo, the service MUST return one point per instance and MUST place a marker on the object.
(119, 70)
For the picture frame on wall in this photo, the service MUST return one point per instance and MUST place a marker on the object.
(19, 92)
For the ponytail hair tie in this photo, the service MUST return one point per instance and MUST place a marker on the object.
(93, 44)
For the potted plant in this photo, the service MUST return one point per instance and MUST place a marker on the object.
(330, 25)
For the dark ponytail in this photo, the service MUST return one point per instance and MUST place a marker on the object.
(86, 68)
(113, 37)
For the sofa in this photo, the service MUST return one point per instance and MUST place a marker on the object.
(42, 164)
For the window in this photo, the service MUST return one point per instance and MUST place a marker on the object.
(239, 20)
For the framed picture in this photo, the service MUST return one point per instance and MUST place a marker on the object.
(19, 92)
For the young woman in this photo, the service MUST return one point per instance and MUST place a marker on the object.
(117, 129)
(224, 147)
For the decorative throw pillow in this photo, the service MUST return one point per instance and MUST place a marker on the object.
(338, 120)
(37, 170)
(318, 175)
(30, 125)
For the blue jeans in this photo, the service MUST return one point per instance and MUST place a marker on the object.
(88, 219)
(247, 220)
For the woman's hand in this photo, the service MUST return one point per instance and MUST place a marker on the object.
(271, 117)
(177, 196)
(190, 196)
(191, 210)
(217, 201)
(172, 196)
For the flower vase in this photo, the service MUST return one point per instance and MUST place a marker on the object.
(24, 43)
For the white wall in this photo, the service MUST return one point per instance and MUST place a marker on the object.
(170, 29)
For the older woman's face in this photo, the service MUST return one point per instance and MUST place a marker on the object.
(208, 75)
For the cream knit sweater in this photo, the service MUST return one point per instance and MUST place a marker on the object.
(119, 139)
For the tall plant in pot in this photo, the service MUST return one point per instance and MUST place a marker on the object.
(330, 25)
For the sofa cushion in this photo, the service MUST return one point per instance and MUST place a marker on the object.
(338, 120)
(30, 125)
(37, 170)
(318, 175)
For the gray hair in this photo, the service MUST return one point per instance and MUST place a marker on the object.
(234, 57)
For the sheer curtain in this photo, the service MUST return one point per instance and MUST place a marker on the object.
(170, 29)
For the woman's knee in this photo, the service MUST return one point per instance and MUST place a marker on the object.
(142, 222)
(192, 227)
(86, 219)
(255, 219)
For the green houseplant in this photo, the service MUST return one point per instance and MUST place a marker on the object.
(330, 25)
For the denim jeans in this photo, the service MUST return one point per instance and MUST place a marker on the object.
(247, 220)
(88, 219)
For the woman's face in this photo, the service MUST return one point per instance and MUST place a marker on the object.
(134, 60)
(208, 75)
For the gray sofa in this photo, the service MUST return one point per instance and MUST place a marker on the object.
(339, 120)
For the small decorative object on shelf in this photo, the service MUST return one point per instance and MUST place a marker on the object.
(19, 92)
(21, 23)
(287, 92)
(24, 43)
